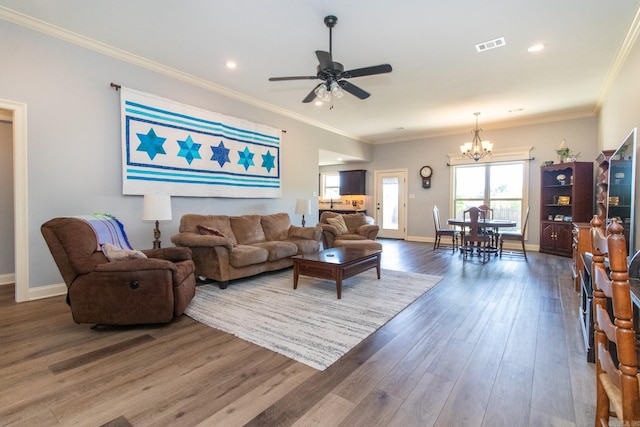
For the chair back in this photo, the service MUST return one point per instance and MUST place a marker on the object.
(617, 381)
(487, 211)
(526, 221)
(472, 217)
(436, 218)
(73, 245)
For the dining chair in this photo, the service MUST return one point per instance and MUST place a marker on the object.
(617, 391)
(487, 213)
(516, 236)
(443, 232)
(473, 236)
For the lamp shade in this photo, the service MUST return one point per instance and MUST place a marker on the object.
(303, 207)
(156, 207)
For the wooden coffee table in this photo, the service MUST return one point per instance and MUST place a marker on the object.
(335, 264)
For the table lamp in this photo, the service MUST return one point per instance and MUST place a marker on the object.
(303, 207)
(156, 207)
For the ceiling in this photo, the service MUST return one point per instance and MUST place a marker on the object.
(438, 81)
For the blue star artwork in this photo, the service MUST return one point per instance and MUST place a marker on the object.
(268, 161)
(189, 149)
(220, 154)
(246, 158)
(151, 143)
(175, 149)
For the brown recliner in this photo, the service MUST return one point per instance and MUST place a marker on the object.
(128, 292)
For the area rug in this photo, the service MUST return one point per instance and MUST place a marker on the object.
(308, 324)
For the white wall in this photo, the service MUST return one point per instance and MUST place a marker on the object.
(620, 113)
(74, 141)
(7, 259)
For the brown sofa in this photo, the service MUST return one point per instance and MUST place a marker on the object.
(230, 247)
(357, 229)
(133, 291)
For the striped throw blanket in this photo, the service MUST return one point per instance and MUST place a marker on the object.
(108, 230)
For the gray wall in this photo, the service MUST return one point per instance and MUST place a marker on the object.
(74, 151)
(7, 259)
(580, 135)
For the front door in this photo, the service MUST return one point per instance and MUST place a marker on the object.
(390, 202)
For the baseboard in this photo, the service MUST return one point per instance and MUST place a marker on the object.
(7, 279)
(47, 291)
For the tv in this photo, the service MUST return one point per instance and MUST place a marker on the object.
(622, 189)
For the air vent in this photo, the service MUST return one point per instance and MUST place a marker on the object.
(491, 44)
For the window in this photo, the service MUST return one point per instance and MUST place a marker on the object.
(330, 186)
(501, 186)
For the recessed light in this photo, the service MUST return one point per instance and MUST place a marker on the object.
(319, 103)
(536, 47)
(231, 64)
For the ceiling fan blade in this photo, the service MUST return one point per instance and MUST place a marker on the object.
(279, 79)
(354, 90)
(325, 59)
(312, 95)
(366, 71)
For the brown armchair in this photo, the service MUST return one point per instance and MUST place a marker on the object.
(357, 228)
(127, 292)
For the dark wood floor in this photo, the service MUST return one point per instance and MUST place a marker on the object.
(491, 345)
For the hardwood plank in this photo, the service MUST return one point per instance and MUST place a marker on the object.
(329, 412)
(468, 352)
(376, 409)
(513, 385)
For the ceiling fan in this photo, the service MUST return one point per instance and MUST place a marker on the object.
(333, 75)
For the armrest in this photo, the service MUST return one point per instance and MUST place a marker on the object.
(200, 240)
(368, 230)
(170, 254)
(309, 233)
(138, 264)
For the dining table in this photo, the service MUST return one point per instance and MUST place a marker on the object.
(493, 224)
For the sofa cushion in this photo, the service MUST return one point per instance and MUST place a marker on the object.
(278, 250)
(339, 224)
(305, 246)
(247, 229)
(244, 255)
(276, 226)
(354, 221)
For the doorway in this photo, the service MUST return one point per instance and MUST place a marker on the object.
(20, 192)
(391, 203)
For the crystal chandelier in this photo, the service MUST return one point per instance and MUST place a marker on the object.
(478, 148)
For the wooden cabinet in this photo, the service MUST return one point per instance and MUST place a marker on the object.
(556, 238)
(353, 182)
(566, 196)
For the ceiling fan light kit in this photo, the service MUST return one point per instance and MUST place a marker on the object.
(477, 149)
(332, 74)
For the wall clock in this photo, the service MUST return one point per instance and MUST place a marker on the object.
(425, 174)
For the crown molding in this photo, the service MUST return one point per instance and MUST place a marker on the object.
(128, 57)
(619, 60)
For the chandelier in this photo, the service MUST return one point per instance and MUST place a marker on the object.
(478, 148)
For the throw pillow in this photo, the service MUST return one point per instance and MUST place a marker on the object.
(114, 253)
(338, 223)
(202, 229)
